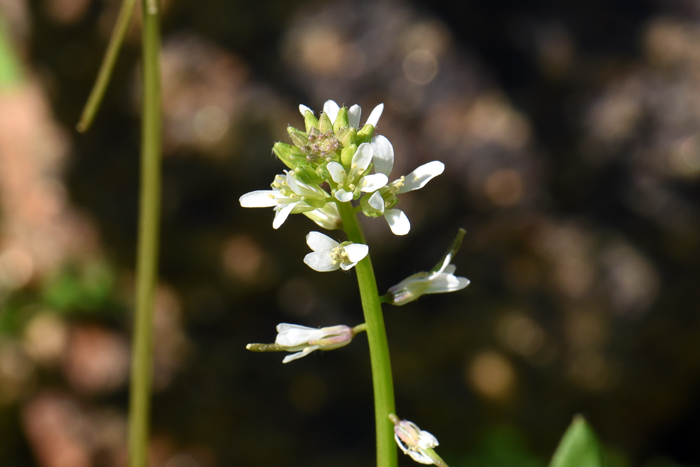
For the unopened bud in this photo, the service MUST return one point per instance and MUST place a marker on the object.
(341, 121)
(299, 138)
(347, 154)
(310, 120)
(286, 153)
(324, 123)
(365, 134)
(347, 136)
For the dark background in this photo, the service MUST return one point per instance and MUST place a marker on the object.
(571, 137)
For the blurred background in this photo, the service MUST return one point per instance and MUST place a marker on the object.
(571, 136)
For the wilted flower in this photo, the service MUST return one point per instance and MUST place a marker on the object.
(415, 442)
(304, 340)
(440, 279)
(329, 255)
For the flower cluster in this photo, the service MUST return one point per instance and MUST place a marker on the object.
(331, 162)
(333, 167)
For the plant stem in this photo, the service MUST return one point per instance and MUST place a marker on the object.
(378, 346)
(147, 254)
(115, 44)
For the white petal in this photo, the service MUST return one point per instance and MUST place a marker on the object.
(282, 214)
(298, 355)
(292, 335)
(356, 251)
(374, 116)
(363, 156)
(344, 196)
(320, 261)
(383, 154)
(303, 109)
(422, 175)
(426, 440)
(331, 108)
(259, 199)
(377, 202)
(450, 269)
(447, 283)
(320, 242)
(397, 221)
(416, 456)
(337, 172)
(354, 113)
(373, 182)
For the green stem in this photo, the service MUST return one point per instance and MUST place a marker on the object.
(378, 346)
(147, 255)
(115, 44)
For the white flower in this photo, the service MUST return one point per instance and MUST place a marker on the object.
(423, 283)
(288, 195)
(381, 200)
(332, 108)
(440, 279)
(351, 184)
(415, 442)
(304, 340)
(329, 255)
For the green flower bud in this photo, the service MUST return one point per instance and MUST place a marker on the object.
(299, 138)
(287, 154)
(365, 134)
(347, 136)
(310, 120)
(324, 123)
(346, 155)
(341, 121)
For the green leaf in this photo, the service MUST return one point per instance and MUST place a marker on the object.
(579, 447)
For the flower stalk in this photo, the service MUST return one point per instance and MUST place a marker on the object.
(147, 253)
(378, 346)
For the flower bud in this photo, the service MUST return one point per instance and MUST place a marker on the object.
(341, 121)
(287, 154)
(347, 136)
(310, 120)
(346, 155)
(299, 138)
(324, 123)
(365, 134)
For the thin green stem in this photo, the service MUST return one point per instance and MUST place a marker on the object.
(378, 346)
(147, 255)
(115, 43)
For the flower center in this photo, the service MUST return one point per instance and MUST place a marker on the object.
(339, 255)
(321, 146)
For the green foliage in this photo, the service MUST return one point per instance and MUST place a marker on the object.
(10, 71)
(579, 447)
(85, 288)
